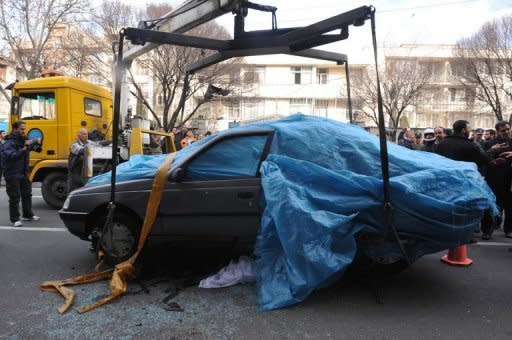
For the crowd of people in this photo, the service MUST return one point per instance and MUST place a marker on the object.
(184, 136)
(490, 150)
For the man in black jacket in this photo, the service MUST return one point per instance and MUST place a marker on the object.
(15, 156)
(499, 178)
(458, 147)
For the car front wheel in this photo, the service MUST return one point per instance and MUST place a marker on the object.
(120, 240)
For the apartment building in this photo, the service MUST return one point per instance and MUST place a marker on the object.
(270, 87)
(275, 86)
(446, 97)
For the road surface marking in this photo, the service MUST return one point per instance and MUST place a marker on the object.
(31, 228)
(495, 244)
(37, 196)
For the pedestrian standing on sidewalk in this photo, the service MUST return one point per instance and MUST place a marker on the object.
(15, 155)
(77, 167)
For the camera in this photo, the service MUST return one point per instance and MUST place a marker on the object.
(33, 144)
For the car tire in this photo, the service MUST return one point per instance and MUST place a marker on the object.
(54, 189)
(120, 240)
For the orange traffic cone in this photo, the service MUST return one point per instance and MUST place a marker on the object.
(457, 257)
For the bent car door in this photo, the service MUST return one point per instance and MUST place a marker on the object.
(218, 197)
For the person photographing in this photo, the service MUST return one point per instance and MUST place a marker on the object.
(15, 155)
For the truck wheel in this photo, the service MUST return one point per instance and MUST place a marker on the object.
(54, 189)
(120, 240)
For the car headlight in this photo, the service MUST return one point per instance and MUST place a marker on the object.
(65, 206)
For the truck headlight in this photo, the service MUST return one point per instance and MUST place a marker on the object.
(65, 206)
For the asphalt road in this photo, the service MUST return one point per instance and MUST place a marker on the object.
(430, 300)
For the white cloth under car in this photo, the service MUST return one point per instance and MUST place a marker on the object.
(241, 271)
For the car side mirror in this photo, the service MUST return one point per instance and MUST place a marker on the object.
(176, 175)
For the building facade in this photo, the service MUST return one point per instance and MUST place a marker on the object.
(270, 87)
(448, 96)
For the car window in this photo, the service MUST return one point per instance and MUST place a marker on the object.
(230, 158)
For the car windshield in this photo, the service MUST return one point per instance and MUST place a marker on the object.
(39, 105)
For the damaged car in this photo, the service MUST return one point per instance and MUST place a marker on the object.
(304, 194)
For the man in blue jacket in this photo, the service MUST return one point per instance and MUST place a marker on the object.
(15, 157)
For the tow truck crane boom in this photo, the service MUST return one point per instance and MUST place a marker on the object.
(188, 15)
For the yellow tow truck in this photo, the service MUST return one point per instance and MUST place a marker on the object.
(54, 107)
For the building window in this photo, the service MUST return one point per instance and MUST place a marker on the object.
(483, 68)
(321, 106)
(433, 70)
(160, 99)
(456, 95)
(302, 105)
(254, 75)
(457, 69)
(231, 110)
(58, 42)
(322, 76)
(253, 109)
(95, 79)
(301, 75)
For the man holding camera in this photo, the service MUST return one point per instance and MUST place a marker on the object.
(16, 150)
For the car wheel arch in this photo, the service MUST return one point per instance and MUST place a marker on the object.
(96, 218)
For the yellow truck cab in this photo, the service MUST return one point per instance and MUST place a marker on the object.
(54, 108)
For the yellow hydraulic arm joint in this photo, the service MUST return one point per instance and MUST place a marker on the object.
(136, 144)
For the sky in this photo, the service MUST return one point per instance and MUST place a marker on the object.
(398, 21)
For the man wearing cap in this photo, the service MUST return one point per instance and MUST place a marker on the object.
(429, 140)
(477, 137)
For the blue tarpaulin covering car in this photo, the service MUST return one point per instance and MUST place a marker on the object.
(322, 189)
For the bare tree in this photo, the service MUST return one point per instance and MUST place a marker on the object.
(77, 51)
(487, 60)
(107, 22)
(401, 84)
(27, 27)
(168, 65)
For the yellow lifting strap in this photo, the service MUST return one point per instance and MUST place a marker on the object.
(123, 271)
